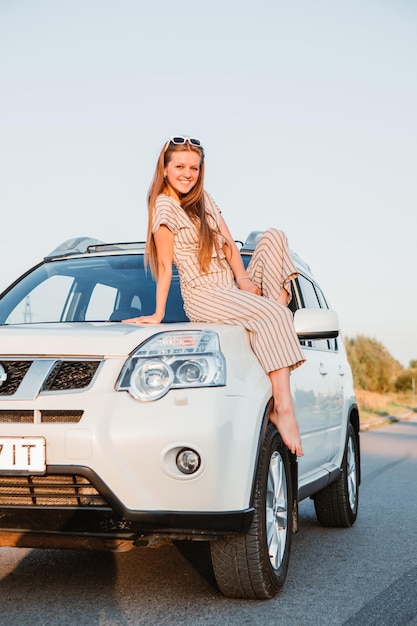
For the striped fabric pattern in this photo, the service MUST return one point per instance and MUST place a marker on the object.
(169, 213)
(214, 296)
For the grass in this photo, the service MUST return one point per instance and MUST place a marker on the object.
(374, 405)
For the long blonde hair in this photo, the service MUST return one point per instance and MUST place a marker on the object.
(192, 203)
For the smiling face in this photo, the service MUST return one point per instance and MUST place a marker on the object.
(182, 172)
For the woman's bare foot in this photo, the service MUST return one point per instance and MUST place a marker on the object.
(283, 415)
(286, 425)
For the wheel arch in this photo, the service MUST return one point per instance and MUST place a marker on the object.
(355, 421)
(293, 467)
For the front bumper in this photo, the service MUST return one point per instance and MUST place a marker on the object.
(104, 519)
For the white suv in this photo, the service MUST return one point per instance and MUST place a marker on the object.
(115, 435)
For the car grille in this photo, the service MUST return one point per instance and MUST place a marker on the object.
(42, 417)
(62, 376)
(67, 375)
(49, 491)
(15, 371)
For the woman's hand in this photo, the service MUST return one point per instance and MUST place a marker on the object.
(245, 284)
(144, 319)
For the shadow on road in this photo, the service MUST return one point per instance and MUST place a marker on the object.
(197, 553)
(61, 588)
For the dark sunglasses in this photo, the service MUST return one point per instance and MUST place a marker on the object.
(179, 140)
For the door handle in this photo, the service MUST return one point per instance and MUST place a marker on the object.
(323, 371)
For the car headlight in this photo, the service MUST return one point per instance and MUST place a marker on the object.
(173, 360)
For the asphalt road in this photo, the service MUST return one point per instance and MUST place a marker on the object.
(360, 576)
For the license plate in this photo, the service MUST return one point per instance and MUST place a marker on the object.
(22, 454)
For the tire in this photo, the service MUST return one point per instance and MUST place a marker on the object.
(254, 566)
(337, 504)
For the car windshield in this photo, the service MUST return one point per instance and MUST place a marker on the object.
(96, 288)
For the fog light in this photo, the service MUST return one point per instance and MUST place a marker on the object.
(188, 461)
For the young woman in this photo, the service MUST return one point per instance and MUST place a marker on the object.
(187, 228)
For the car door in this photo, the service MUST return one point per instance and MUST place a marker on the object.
(317, 386)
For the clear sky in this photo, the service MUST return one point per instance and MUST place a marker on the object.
(307, 110)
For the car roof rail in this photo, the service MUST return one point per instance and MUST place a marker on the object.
(89, 245)
(139, 246)
(76, 245)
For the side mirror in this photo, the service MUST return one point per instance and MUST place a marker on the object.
(316, 324)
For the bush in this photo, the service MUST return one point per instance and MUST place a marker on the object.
(407, 380)
(373, 368)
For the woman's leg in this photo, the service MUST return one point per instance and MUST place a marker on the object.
(271, 267)
(273, 340)
(282, 415)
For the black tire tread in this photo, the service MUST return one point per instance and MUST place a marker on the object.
(332, 503)
(241, 563)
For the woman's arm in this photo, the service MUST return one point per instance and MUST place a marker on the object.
(235, 261)
(164, 242)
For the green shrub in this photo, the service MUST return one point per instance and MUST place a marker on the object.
(406, 381)
(373, 368)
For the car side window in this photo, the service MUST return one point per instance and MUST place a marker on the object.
(311, 297)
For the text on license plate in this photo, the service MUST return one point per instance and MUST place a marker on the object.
(22, 454)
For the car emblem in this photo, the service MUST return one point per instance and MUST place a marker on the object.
(3, 375)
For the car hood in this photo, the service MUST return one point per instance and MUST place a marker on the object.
(78, 339)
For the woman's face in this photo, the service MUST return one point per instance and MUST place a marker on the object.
(182, 171)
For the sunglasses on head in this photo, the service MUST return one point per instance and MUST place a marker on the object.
(179, 140)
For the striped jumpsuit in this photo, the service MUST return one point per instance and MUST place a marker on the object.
(215, 297)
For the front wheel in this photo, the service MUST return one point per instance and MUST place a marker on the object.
(337, 504)
(255, 565)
